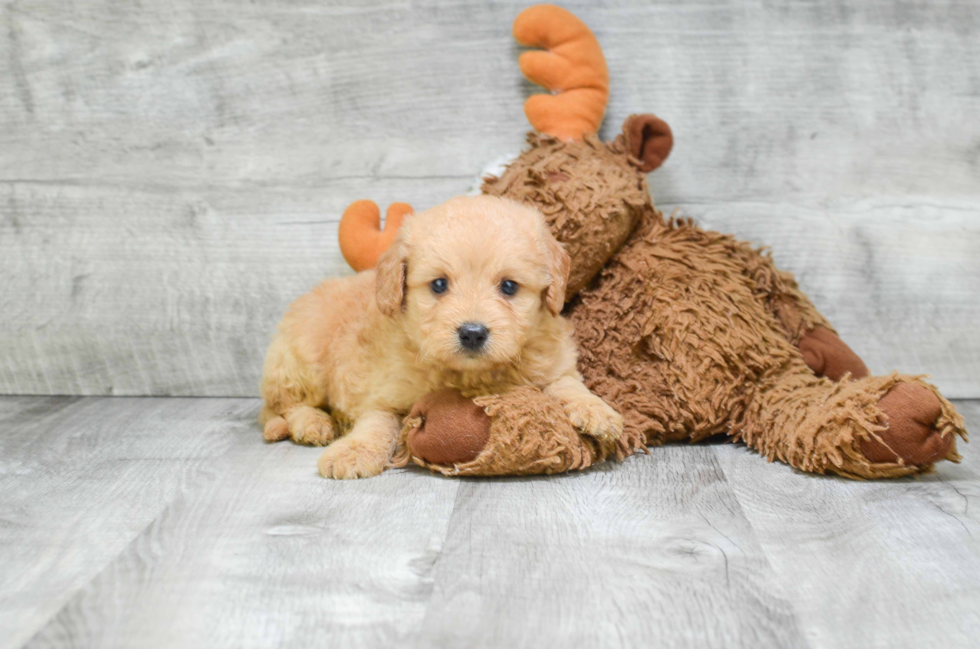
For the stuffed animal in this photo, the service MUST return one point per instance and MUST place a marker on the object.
(688, 333)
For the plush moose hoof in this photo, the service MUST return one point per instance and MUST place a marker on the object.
(827, 355)
(523, 431)
(910, 412)
(452, 430)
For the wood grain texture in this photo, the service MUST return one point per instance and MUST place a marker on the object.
(80, 479)
(270, 554)
(168, 522)
(653, 552)
(865, 564)
(171, 175)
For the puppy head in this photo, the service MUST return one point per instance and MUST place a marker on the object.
(471, 280)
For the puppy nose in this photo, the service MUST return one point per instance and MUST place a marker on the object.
(473, 336)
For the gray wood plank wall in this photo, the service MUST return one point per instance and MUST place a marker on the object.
(171, 174)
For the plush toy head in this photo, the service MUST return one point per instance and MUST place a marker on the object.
(592, 193)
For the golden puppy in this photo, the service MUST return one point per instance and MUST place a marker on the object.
(468, 296)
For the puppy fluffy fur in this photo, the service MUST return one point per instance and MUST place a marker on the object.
(366, 348)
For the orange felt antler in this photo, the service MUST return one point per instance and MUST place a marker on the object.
(573, 69)
(361, 238)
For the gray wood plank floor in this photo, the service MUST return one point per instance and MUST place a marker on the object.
(172, 173)
(169, 523)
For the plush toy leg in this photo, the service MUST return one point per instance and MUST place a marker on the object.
(805, 327)
(875, 427)
(827, 355)
(522, 432)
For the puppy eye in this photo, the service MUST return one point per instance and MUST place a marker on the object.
(508, 287)
(439, 285)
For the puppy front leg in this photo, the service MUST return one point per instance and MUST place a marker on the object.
(586, 411)
(365, 450)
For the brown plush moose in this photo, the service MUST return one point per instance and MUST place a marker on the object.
(688, 333)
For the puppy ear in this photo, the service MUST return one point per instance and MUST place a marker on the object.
(559, 265)
(389, 283)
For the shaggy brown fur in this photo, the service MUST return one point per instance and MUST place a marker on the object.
(684, 339)
(691, 333)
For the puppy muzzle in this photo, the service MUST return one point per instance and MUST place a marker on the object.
(473, 336)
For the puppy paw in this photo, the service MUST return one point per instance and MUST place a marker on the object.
(310, 426)
(593, 416)
(348, 459)
(276, 429)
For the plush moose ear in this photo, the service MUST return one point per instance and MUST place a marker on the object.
(389, 283)
(360, 235)
(559, 265)
(648, 139)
